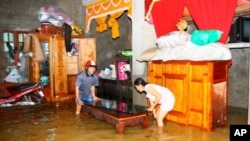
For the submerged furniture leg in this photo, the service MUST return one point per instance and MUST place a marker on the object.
(120, 127)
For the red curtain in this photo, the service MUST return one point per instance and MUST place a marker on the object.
(207, 14)
(165, 15)
(213, 14)
(146, 5)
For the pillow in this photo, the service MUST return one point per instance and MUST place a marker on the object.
(172, 39)
(148, 54)
(203, 37)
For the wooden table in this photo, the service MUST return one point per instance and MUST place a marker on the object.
(120, 114)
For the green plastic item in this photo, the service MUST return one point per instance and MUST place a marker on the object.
(203, 37)
(127, 53)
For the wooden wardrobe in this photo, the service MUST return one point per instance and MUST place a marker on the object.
(62, 67)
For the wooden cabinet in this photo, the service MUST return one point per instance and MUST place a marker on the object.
(72, 65)
(62, 68)
(200, 89)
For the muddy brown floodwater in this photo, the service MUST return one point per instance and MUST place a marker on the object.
(57, 122)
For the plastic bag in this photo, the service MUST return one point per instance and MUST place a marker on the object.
(172, 39)
(203, 37)
(54, 15)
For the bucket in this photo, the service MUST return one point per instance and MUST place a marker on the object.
(121, 73)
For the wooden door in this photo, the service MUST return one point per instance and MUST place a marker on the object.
(200, 87)
(59, 66)
(175, 76)
(34, 66)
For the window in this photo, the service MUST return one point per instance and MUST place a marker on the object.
(13, 40)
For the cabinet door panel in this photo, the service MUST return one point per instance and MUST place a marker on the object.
(87, 51)
(71, 84)
(196, 103)
(37, 69)
(72, 69)
(200, 95)
(59, 67)
(34, 67)
(178, 85)
(160, 73)
(155, 72)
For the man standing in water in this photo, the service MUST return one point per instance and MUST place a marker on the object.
(85, 87)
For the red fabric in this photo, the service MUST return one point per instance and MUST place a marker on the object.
(147, 4)
(207, 14)
(213, 14)
(165, 14)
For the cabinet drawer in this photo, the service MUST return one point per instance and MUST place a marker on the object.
(72, 68)
(175, 68)
(72, 59)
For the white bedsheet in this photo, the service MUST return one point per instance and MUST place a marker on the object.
(190, 51)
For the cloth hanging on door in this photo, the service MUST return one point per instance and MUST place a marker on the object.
(39, 54)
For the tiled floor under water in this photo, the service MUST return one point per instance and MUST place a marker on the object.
(57, 122)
